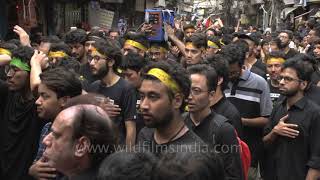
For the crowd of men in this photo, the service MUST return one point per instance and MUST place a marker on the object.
(221, 103)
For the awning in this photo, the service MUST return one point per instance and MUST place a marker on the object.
(286, 11)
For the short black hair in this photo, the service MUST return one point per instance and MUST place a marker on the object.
(127, 166)
(236, 54)
(177, 73)
(188, 26)
(199, 40)
(138, 37)
(8, 46)
(62, 81)
(220, 63)
(113, 30)
(96, 34)
(93, 122)
(276, 40)
(303, 69)
(133, 61)
(76, 36)
(207, 71)
(50, 39)
(24, 53)
(111, 52)
(276, 54)
(189, 166)
(290, 33)
(61, 47)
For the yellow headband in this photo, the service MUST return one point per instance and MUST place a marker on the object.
(220, 40)
(165, 78)
(57, 54)
(275, 60)
(95, 52)
(213, 45)
(5, 51)
(155, 48)
(189, 44)
(136, 44)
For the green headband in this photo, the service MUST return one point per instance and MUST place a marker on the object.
(19, 64)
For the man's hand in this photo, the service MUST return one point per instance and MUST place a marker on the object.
(169, 30)
(284, 129)
(23, 35)
(147, 28)
(42, 170)
(39, 59)
(112, 110)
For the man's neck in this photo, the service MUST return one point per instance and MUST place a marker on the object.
(79, 168)
(110, 79)
(198, 117)
(84, 60)
(293, 99)
(218, 95)
(165, 134)
(274, 83)
(251, 60)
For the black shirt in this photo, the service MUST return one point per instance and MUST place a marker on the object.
(19, 134)
(123, 95)
(293, 157)
(225, 108)
(85, 71)
(274, 93)
(291, 53)
(220, 137)
(189, 142)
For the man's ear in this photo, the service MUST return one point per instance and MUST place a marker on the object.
(220, 81)
(304, 85)
(82, 146)
(63, 100)
(110, 62)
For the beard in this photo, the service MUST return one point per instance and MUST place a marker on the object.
(283, 45)
(289, 93)
(161, 121)
(102, 72)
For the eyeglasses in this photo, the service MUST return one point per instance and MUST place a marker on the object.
(95, 58)
(288, 79)
(196, 91)
(11, 70)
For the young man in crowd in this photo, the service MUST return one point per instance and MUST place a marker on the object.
(250, 94)
(104, 62)
(158, 51)
(136, 42)
(76, 39)
(286, 37)
(211, 127)
(294, 125)
(20, 126)
(163, 91)
(75, 133)
(56, 87)
(219, 103)
(195, 49)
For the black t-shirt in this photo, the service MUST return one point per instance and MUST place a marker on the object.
(124, 95)
(139, 118)
(189, 142)
(291, 53)
(274, 93)
(225, 108)
(293, 157)
(222, 137)
(19, 134)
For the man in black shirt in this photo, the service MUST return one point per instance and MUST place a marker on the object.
(274, 62)
(104, 62)
(285, 37)
(163, 90)
(19, 126)
(203, 121)
(293, 131)
(220, 104)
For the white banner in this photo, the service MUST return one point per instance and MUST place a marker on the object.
(106, 18)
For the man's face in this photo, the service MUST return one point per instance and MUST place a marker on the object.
(234, 72)
(132, 77)
(156, 54)
(156, 106)
(48, 104)
(128, 48)
(274, 69)
(211, 51)
(98, 66)
(284, 38)
(290, 84)
(199, 97)
(188, 32)
(77, 50)
(114, 35)
(44, 47)
(17, 78)
(252, 47)
(193, 54)
(88, 46)
(210, 33)
(316, 50)
(60, 146)
(311, 36)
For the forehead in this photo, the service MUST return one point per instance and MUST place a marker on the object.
(190, 46)
(64, 120)
(198, 80)
(155, 86)
(44, 89)
(289, 72)
(190, 30)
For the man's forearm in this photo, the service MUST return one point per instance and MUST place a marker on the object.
(131, 133)
(269, 138)
(255, 122)
(179, 44)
